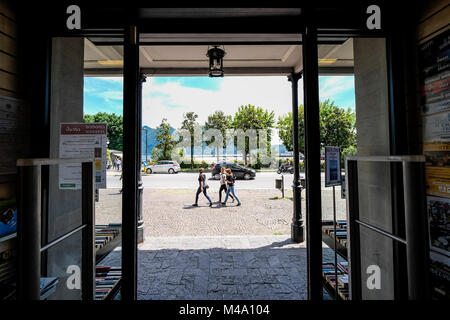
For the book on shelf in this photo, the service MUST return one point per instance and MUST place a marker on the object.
(8, 217)
(47, 286)
(106, 279)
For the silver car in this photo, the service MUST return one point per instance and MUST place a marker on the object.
(164, 166)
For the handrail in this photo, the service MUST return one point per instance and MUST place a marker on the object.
(50, 161)
(414, 158)
(29, 226)
(61, 238)
(380, 231)
(413, 169)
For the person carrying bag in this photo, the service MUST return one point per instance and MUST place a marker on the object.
(202, 186)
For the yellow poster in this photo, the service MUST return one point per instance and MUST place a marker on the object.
(438, 181)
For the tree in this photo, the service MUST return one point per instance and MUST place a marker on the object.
(189, 123)
(284, 126)
(166, 142)
(337, 127)
(156, 154)
(251, 117)
(218, 120)
(114, 124)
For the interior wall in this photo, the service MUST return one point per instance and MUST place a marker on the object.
(374, 179)
(64, 206)
(14, 111)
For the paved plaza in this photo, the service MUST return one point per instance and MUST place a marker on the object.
(217, 253)
(220, 268)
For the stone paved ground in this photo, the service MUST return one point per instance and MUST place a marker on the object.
(216, 268)
(214, 253)
(170, 213)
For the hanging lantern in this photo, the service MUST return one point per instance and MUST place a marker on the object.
(215, 55)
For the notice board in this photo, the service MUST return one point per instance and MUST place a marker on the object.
(82, 140)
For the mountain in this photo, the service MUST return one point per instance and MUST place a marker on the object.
(150, 134)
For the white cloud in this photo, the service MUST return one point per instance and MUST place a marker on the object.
(112, 79)
(111, 95)
(171, 99)
(332, 86)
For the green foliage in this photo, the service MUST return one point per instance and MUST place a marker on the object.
(156, 154)
(337, 127)
(251, 117)
(166, 141)
(284, 126)
(218, 120)
(114, 126)
(190, 123)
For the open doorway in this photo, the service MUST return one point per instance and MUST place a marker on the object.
(206, 250)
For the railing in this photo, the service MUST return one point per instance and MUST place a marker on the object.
(29, 227)
(416, 232)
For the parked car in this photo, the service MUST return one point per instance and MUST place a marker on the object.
(163, 166)
(240, 171)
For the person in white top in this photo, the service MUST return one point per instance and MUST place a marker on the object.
(223, 184)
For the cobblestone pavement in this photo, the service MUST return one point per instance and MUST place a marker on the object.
(220, 252)
(220, 268)
(169, 212)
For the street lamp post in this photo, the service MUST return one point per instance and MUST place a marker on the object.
(146, 143)
(140, 224)
(297, 226)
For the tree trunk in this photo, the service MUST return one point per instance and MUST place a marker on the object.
(192, 157)
(218, 155)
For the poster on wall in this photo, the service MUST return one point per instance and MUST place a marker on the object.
(82, 140)
(437, 181)
(439, 224)
(332, 166)
(434, 70)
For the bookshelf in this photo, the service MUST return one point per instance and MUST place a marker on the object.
(338, 244)
(8, 266)
(107, 279)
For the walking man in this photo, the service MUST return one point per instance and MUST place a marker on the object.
(202, 186)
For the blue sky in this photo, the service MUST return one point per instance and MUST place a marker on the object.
(170, 97)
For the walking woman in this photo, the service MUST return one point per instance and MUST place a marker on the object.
(230, 182)
(202, 186)
(223, 184)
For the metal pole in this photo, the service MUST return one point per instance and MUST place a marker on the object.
(335, 243)
(29, 233)
(140, 223)
(146, 145)
(130, 163)
(312, 158)
(353, 232)
(88, 218)
(297, 226)
(416, 230)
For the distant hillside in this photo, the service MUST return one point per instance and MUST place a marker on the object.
(152, 142)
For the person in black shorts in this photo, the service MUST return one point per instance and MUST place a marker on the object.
(202, 186)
